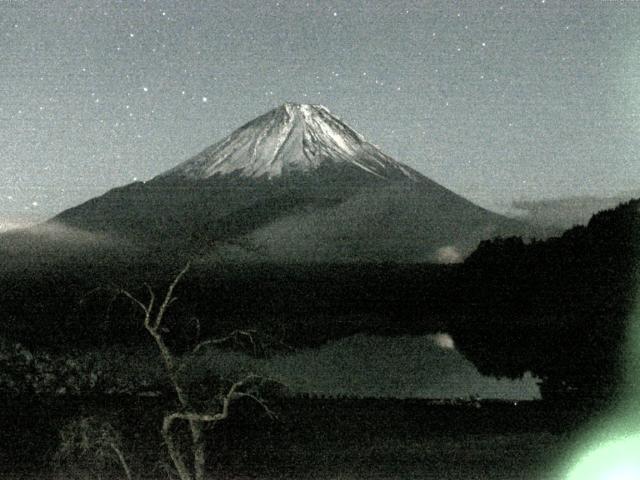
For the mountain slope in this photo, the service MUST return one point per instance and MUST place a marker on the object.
(294, 185)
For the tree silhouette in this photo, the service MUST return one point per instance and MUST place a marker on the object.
(195, 418)
(558, 308)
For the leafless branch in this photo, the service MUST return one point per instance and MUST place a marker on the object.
(169, 296)
(145, 308)
(270, 413)
(96, 290)
(90, 293)
(195, 420)
(232, 394)
(235, 336)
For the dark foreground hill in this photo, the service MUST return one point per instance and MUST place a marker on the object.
(562, 308)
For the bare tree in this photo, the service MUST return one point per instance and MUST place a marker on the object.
(95, 438)
(194, 418)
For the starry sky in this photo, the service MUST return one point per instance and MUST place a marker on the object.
(497, 100)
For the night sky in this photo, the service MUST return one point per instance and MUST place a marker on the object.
(495, 100)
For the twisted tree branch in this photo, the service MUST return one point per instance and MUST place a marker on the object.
(235, 336)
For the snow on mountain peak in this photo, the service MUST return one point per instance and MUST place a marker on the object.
(291, 138)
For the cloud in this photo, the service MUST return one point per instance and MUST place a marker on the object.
(443, 340)
(52, 240)
(16, 222)
(59, 232)
(448, 254)
(569, 211)
(7, 225)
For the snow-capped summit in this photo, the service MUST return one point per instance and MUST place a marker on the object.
(291, 138)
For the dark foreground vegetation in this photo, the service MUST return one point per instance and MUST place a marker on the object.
(315, 438)
(559, 308)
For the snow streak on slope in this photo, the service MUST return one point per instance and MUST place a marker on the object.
(291, 138)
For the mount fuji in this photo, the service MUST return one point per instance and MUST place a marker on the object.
(294, 185)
